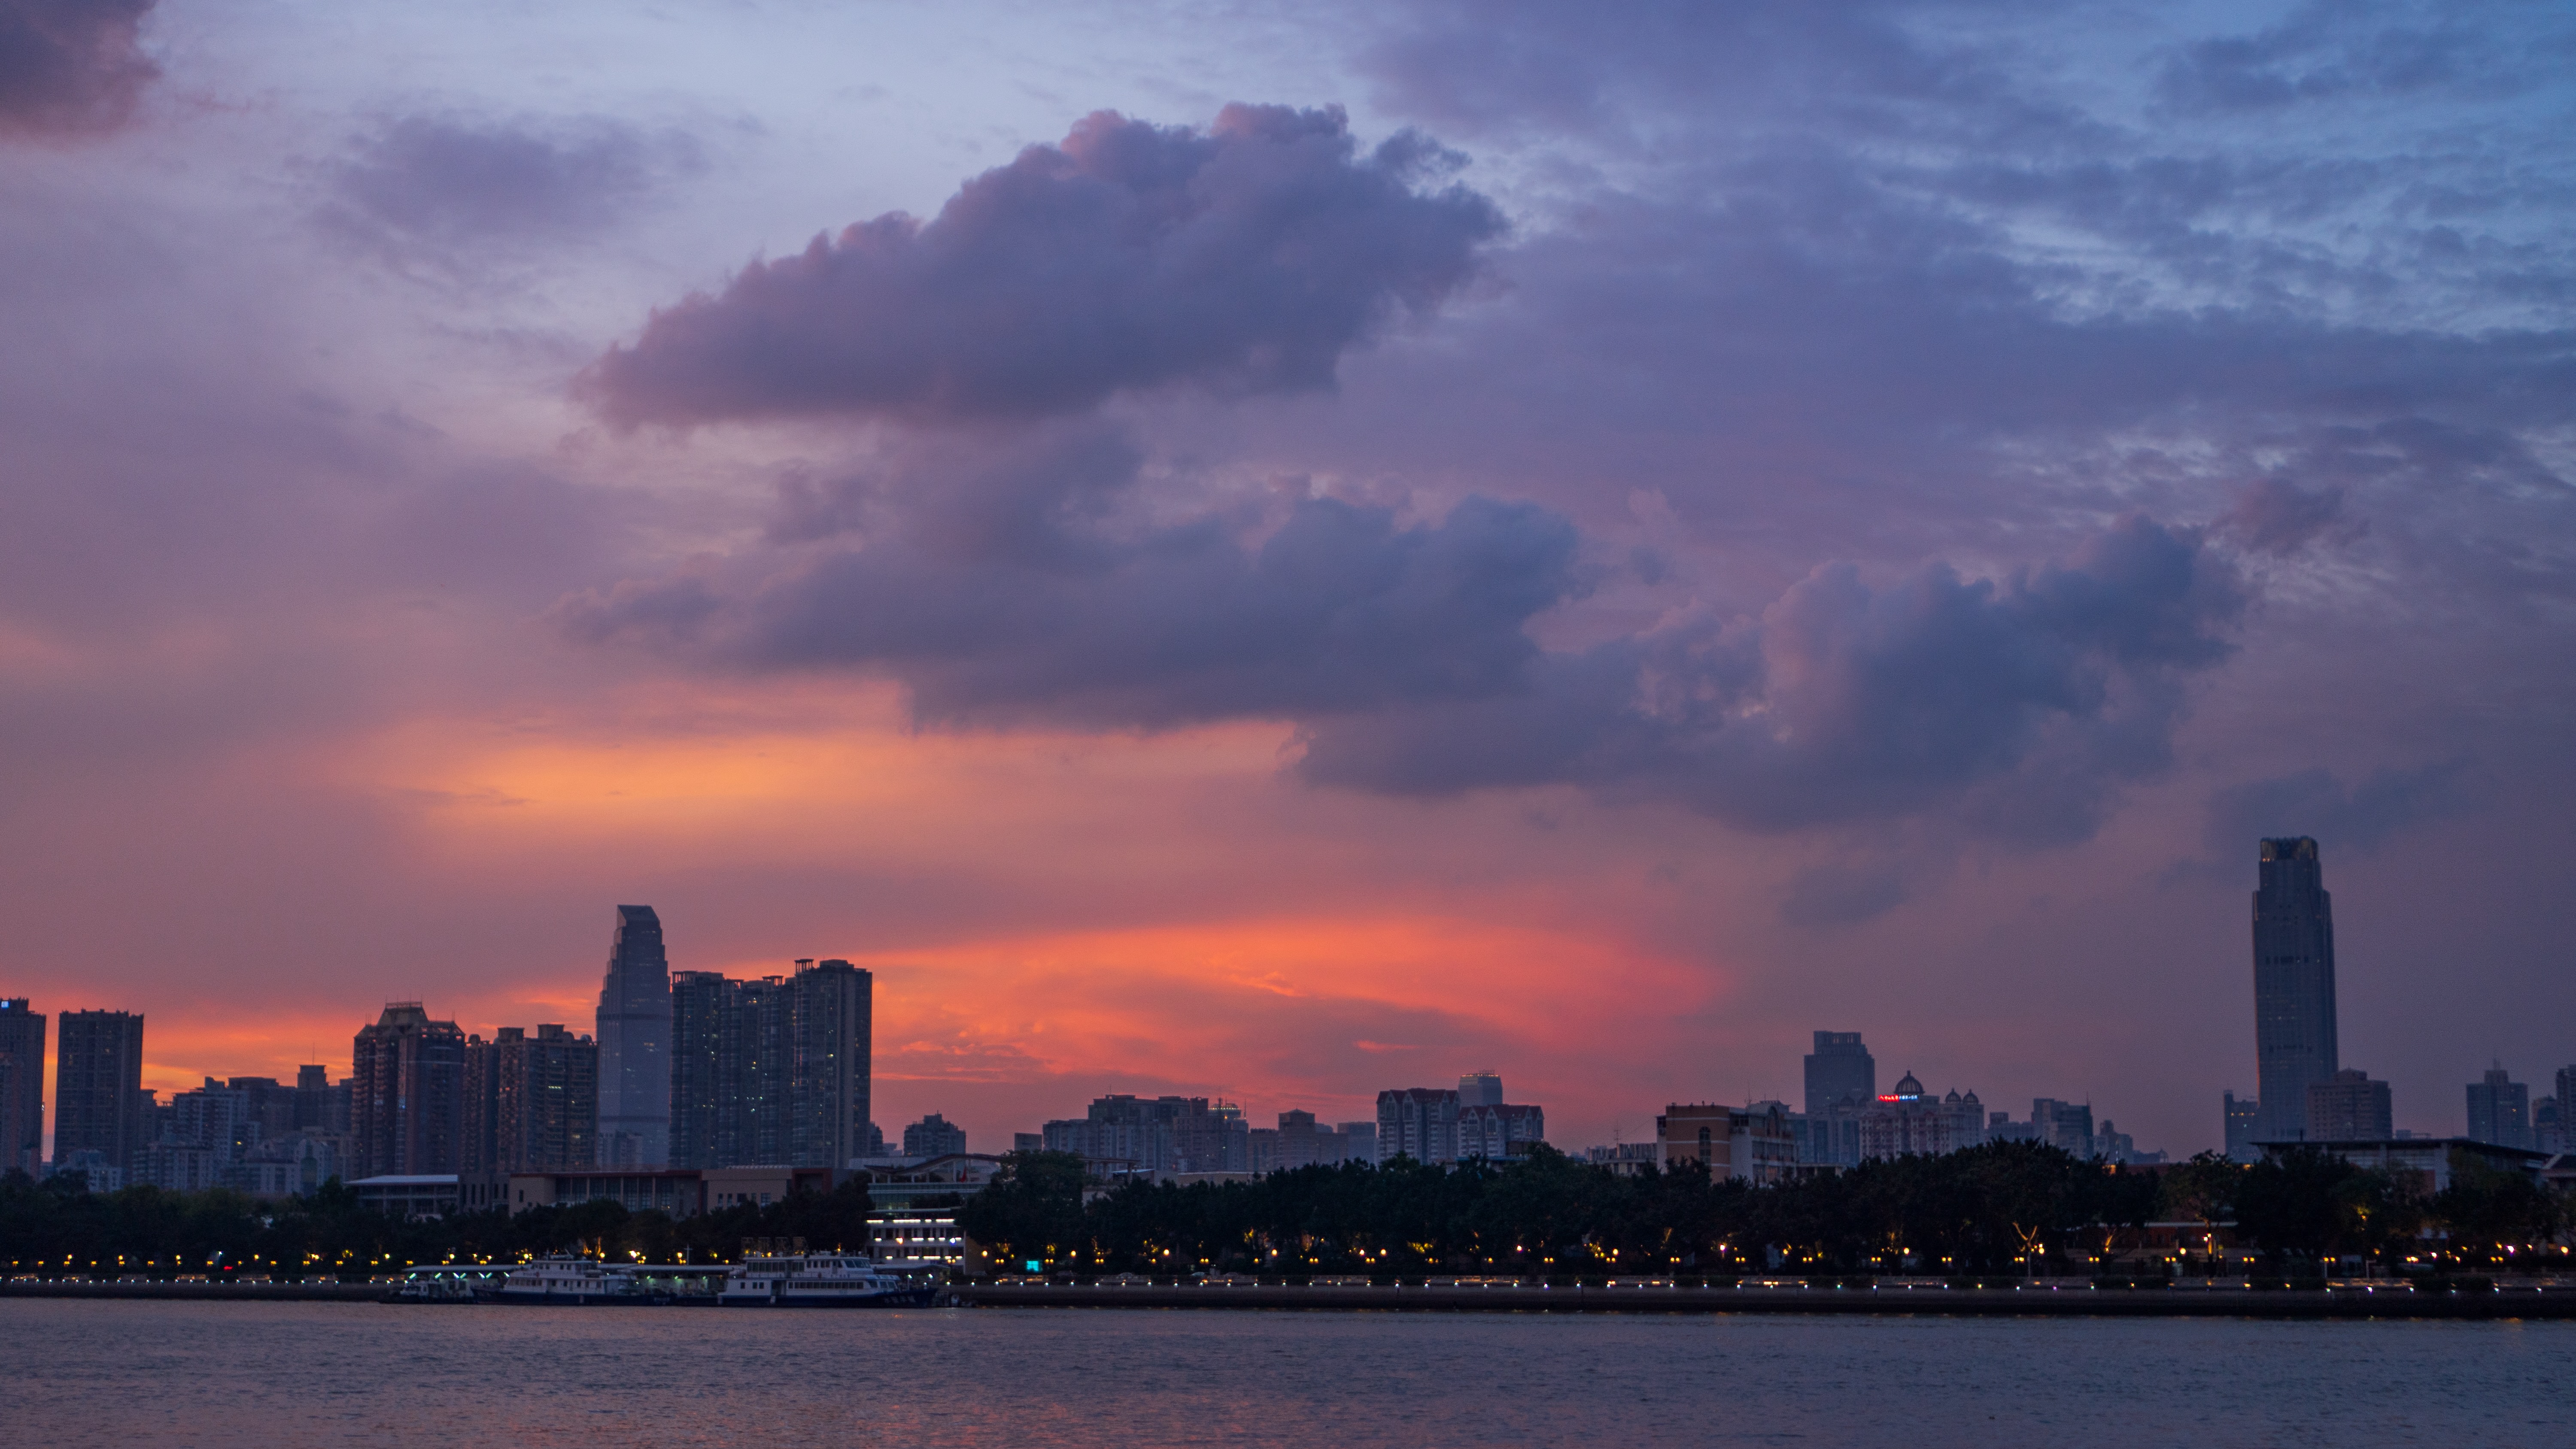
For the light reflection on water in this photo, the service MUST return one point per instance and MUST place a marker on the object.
(226, 1374)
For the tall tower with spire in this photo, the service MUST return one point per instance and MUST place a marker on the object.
(635, 1045)
(2294, 988)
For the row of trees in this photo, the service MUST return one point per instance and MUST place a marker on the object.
(57, 1228)
(2003, 1208)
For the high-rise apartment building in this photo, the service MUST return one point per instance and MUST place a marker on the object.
(772, 1071)
(1127, 1133)
(2500, 1110)
(1417, 1122)
(1839, 1070)
(2350, 1107)
(22, 1087)
(635, 1044)
(933, 1136)
(98, 1087)
(531, 1102)
(2295, 1038)
(1910, 1121)
(831, 1007)
(407, 1094)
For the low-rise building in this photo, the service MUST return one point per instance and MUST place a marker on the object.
(940, 1179)
(909, 1238)
(2421, 1164)
(679, 1191)
(1748, 1143)
(408, 1195)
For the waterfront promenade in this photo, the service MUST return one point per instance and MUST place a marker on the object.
(2036, 1299)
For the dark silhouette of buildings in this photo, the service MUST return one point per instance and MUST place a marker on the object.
(22, 1087)
(635, 1044)
(531, 1103)
(770, 1071)
(1839, 1070)
(2295, 1039)
(99, 1105)
(2500, 1110)
(407, 1094)
(2350, 1107)
(933, 1136)
(321, 1105)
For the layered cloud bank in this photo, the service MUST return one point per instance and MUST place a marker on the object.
(1593, 543)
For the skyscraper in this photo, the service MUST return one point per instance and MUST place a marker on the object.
(532, 1103)
(98, 1086)
(831, 1005)
(635, 1045)
(407, 1094)
(2500, 1110)
(22, 1087)
(1480, 1089)
(775, 1070)
(2295, 1041)
(1841, 1069)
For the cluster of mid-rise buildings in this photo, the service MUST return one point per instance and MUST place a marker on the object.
(699, 1089)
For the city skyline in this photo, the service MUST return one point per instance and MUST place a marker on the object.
(1593, 546)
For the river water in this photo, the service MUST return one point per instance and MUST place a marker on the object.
(267, 1374)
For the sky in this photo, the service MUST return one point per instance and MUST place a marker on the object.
(1280, 551)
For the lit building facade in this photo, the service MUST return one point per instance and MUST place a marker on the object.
(1910, 1122)
(532, 1102)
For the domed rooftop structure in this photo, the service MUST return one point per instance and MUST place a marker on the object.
(1907, 1088)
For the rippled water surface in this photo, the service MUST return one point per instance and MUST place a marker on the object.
(223, 1374)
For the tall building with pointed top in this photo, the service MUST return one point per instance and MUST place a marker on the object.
(2295, 1040)
(635, 1045)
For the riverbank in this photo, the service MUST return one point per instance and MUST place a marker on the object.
(2378, 1300)
(202, 1292)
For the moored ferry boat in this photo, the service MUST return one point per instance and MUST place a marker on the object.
(821, 1280)
(567, 1280)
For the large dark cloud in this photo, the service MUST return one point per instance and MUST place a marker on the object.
(2017, 705)
(70, 66)
(1247, 257)
(1014, 585)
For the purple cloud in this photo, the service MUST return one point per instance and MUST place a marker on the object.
(1014, 585)
(1246, 257)
(70, 66)
(2017, 705)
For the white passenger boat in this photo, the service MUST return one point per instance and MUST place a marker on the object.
(566, 1280)
(822, 1280)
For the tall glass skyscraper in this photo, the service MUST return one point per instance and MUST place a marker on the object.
(635, 1045)
(2294, 988)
